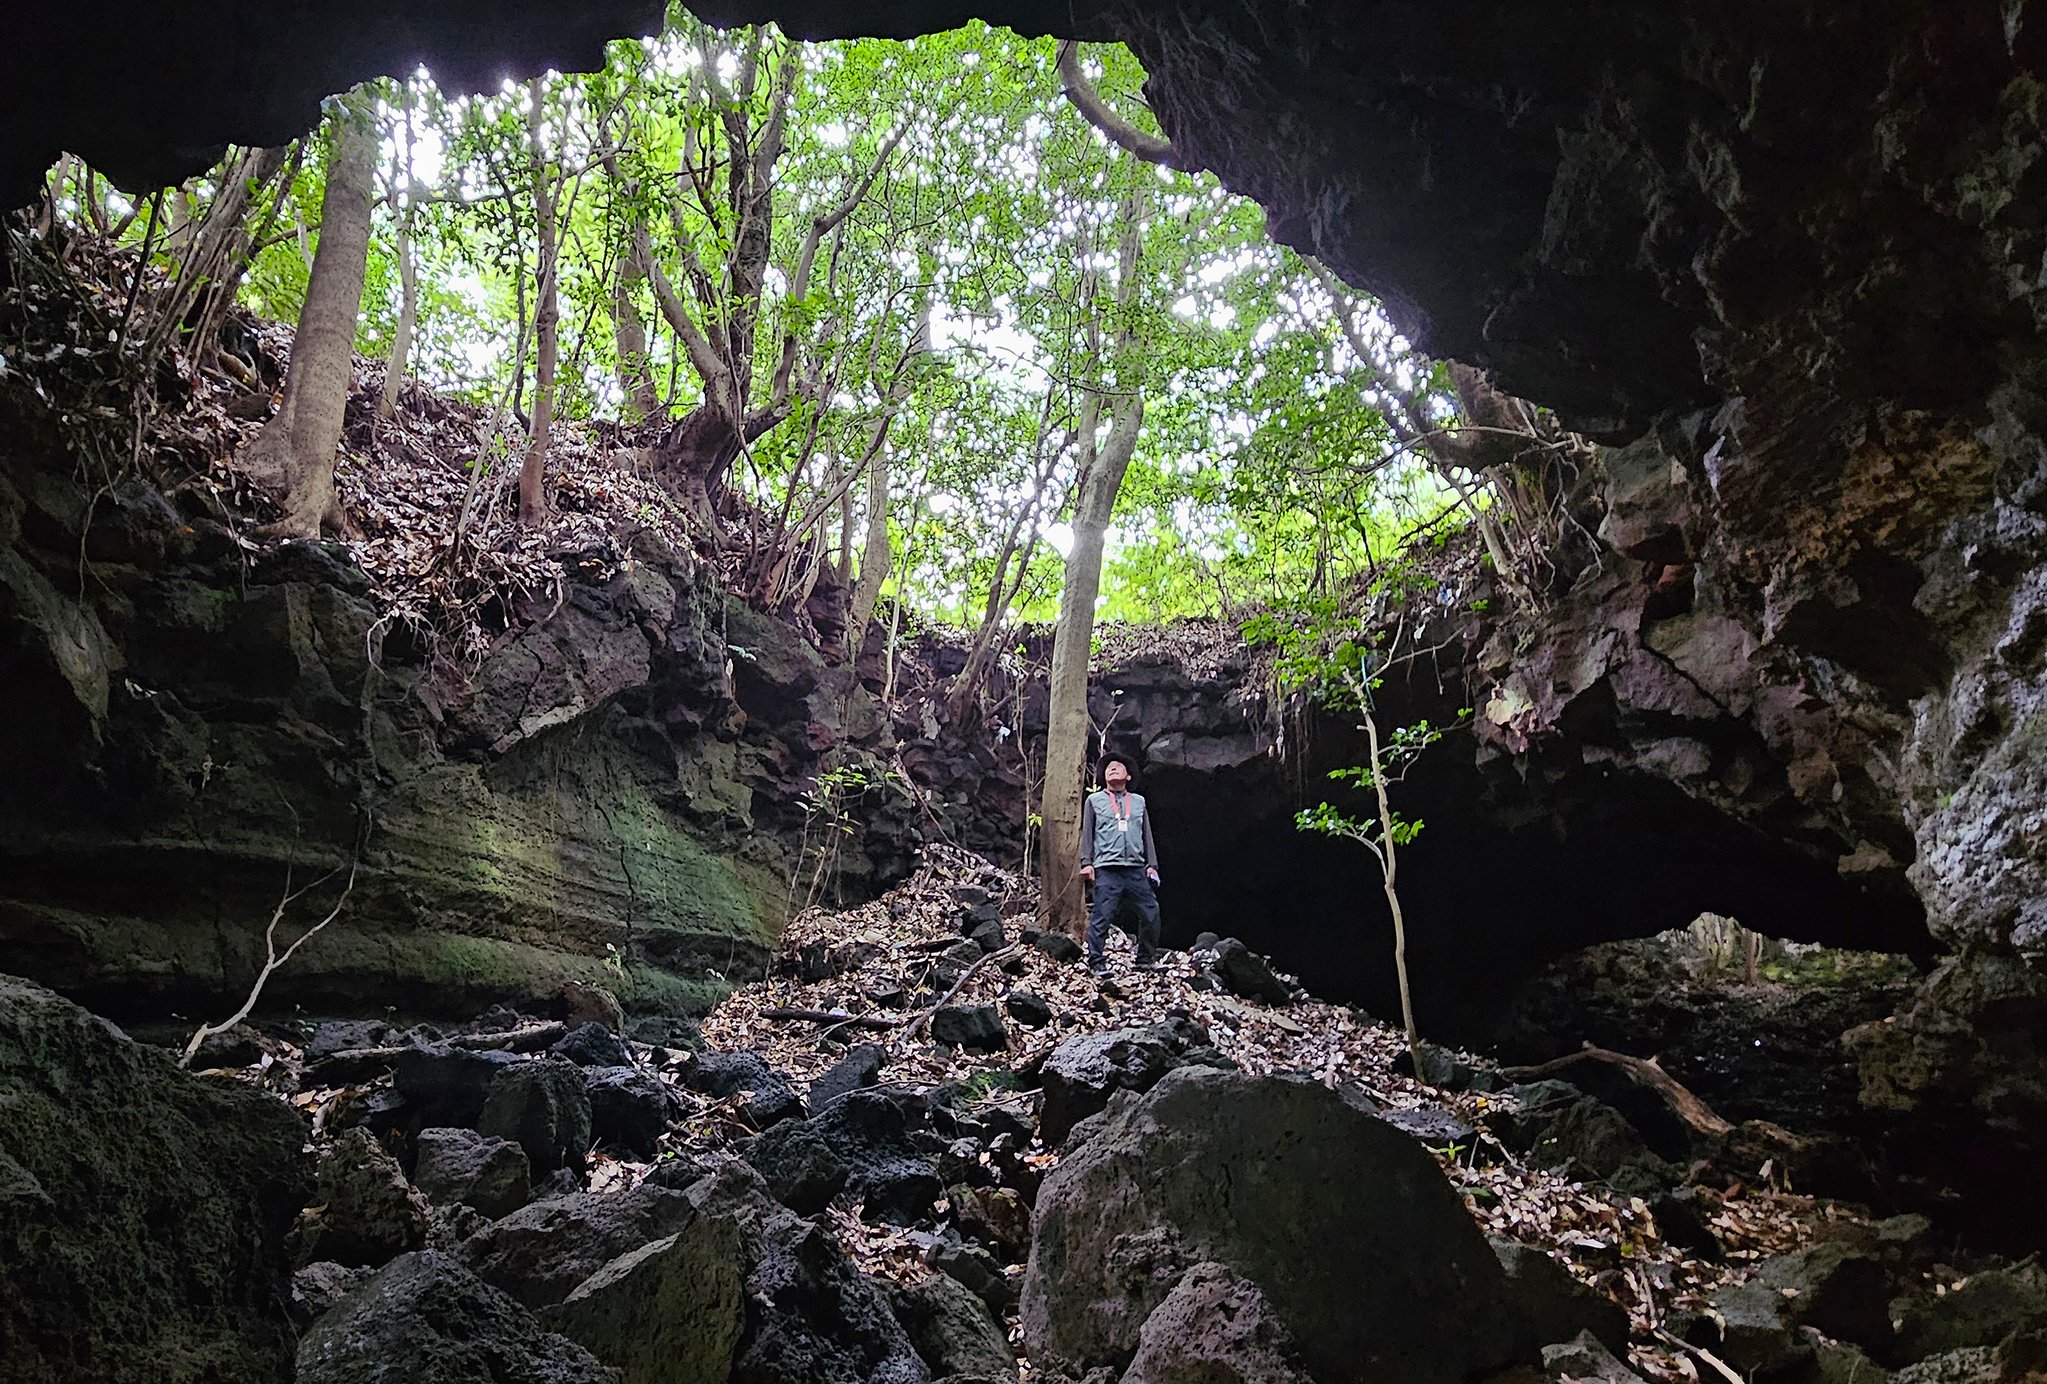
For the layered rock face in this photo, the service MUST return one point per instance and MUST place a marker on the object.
(613, 797)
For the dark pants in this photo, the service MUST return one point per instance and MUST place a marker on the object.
(1118, 887)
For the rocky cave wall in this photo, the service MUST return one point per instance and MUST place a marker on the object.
(616, 795)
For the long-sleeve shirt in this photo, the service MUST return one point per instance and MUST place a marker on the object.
(1089, 831)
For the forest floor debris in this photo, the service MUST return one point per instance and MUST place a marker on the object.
(890, 959)
(1608, 1239)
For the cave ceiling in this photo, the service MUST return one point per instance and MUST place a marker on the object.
(1608, 203)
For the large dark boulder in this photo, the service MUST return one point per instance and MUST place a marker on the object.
(462, 1167)
(769, 1097)
(541, 1252)
(665, 1313)
(801, 1168)
(1082, 1073)
(427, 1320)
(544, 1108)
(629, 1109)
(1215, 1327)
(811, 1316)
(954, 1330)
(878, 1132)
(592, 1045)
(1551, 1306)
(144, 1212)
(859, 1069)
(1988, 1306)
(366, 1214)
(444, 1086)
(1242, 971)
(1347, 1226)
(1758, 1326)
(977, 1026)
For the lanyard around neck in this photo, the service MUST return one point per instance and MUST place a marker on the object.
(1122, 810)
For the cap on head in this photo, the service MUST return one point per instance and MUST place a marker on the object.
(1108, 759)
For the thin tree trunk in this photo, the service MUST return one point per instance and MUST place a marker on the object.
(1101, 476)
(874, 556)
(408, 277)
(1067, 734)
(294, 455)
(1390, 868)
(629, 329)
(546, 320)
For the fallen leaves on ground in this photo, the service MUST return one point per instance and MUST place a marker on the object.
(1607, 1239)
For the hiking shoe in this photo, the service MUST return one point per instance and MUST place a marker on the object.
(1149, 963)
(1098, 969)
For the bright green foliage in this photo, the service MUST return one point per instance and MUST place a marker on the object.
(1267, 474)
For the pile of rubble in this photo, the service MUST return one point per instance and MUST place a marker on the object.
(929, 1145)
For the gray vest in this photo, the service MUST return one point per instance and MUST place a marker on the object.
(1113, 845)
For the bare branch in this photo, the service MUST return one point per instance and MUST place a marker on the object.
(273, 960)
(1088, 101)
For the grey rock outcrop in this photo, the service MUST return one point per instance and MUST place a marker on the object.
(1214, 1327)
(811, 1317)
(544, 1108)
(666, 1313)
(540, 1253)
(954, 1331)
(366, 1213)
(1082, 1073)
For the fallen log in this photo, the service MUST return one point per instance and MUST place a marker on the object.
(1643, 1071)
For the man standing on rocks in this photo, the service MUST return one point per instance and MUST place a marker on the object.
(1118, 855)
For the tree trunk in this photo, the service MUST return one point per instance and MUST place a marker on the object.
(874, 555)
(629, 330)
(1069, 729)
(408, 279)
(408, 316)
(546, 321)
(294, 454)
(1101, 476)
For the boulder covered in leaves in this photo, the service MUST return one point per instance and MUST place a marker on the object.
(103, 1145)
(1346, 1226)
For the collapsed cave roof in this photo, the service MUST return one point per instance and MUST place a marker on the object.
(1619, 209)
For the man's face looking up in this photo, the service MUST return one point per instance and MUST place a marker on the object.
(1115, 777)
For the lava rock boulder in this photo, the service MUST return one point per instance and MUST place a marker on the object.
(1347, 1227)
(975, 1026)
(367, 1213)
(103, 1145)
(769, 1097)
(459, 1167)
(540, 1253)
(427, 1320)
(544, 1108)
(629, 1109)
(1082, 1073)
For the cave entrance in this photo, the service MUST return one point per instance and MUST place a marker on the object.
(1516, 867)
